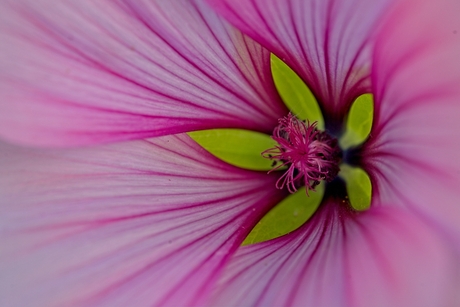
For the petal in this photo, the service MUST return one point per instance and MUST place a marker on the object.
(140, 223)
(383, 257)
(86, 72)
(413, 154)
(325, 42)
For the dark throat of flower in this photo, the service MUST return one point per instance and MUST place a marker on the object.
(308, 154)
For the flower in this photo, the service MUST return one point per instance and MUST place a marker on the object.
(159, 221)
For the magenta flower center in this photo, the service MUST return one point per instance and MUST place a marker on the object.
(309, 154)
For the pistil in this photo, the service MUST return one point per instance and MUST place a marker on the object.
(309, 154)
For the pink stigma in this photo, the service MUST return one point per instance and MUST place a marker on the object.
(310, 155)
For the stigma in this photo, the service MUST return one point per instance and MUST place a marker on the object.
(310, 155)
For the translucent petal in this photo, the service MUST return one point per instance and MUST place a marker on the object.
(140, 223)
(87, 72)
(382, 257)
(327, 42)
(413, 154)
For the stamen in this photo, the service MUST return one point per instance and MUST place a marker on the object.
(310, 155)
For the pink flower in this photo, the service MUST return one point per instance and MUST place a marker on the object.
(118, 208)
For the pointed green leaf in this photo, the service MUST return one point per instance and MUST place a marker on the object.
(359, 122)
(238, 147)
(295, 94)
(287, 216)
(359, 186)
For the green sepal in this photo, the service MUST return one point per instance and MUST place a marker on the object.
(238, 147)
(287, 216)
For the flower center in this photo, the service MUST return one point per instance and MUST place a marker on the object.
(309, 154)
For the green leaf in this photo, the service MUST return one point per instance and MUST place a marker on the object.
(359, 186)
(238, 147)
(295, 94)
(287, 216)
(359, 122)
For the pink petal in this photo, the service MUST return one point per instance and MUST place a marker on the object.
(134, 224)
(383, 257)
(324, 41)
(83, 72)
(414, 152)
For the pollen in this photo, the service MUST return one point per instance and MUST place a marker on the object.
(310, 155)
